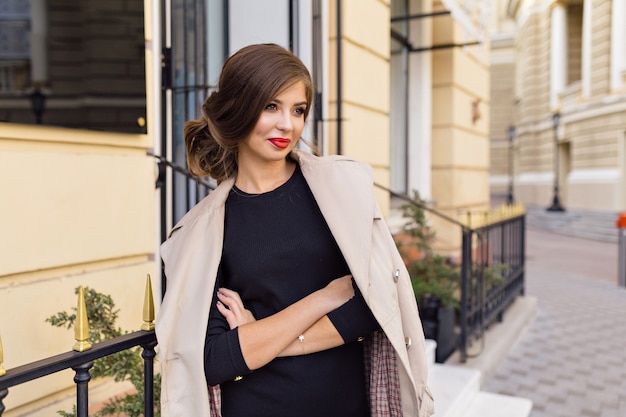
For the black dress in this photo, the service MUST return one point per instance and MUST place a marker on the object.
(277, 250)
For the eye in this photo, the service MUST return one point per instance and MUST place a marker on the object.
(300, 111)
(271, 106)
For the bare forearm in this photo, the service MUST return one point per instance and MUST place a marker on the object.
(263, 340)
(321, 336)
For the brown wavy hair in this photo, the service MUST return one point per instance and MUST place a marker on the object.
(250, 79)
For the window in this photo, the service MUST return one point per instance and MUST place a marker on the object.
(14, 46)
(574, 42)
(74, 64)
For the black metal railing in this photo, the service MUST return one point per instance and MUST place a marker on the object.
(492, 268)
(195, 188)
(492, 275)
(81, 363)
(187, 191)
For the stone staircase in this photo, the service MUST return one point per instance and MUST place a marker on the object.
(584, 224)
(457, 392)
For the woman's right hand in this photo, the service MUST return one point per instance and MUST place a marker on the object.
(229, 304)
(340, 290)
(263, 340)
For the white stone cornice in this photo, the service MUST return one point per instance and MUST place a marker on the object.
(499, 179)
(535, 178)
(595, 176)
(608, 105)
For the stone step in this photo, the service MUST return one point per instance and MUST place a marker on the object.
(431, 347)
(453, 388)
(457, 394)
(584, 224)
(610, 237)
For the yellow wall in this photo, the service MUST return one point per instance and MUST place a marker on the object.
(77, 208)
(365, 81)
(460, 143)
(460, 146)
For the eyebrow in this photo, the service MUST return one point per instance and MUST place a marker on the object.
(302, 103)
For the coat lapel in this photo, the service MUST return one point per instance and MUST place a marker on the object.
(343, 192)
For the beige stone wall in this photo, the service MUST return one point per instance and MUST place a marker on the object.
(78, 208)
(597, 153)
(461, 119)
(503, 108)
(502, 80)
(596, 141)
(502, 93)
(534, 134)
(591, 135)
(365, 85)
(601, 51)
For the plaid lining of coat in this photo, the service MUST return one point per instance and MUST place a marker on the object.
(383, 382)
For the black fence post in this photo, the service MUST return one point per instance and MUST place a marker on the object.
(148, 355)
(3, 394)
(522, 251)
(466, 272)
(82, 379)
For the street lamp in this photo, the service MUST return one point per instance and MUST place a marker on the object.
(511, 136)
(38, 104)
(556, 203)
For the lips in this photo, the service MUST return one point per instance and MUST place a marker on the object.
(281, 143)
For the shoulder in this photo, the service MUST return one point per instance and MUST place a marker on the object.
(337, 177)
(339, 164)
(208, 205)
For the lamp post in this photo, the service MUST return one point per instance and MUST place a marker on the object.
(38, 104)
(556, 203)
(511, 137)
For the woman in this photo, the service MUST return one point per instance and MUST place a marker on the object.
(310, 309)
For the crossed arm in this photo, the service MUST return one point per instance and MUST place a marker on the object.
(277, 335)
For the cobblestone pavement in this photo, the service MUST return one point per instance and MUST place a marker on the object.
(571, 362)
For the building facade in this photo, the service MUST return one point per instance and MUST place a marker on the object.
(563, 91)
(92, 93)
(440, 108)
(78, 198)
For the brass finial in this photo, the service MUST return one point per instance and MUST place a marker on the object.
(81, 326)
(2, 370)
(148, 307)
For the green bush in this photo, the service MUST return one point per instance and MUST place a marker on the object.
(123, 366)
(433, 275)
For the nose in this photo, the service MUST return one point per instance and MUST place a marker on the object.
(284, 121)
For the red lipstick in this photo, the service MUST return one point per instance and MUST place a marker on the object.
(281, 143)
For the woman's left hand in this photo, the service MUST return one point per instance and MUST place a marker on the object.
(229, 304)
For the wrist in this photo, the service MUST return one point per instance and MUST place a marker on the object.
(324, 300)
(301, 339)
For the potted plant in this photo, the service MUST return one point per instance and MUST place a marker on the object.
(435, 279)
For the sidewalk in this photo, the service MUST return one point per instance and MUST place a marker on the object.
(571, 360)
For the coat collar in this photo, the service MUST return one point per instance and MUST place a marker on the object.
(343, 189)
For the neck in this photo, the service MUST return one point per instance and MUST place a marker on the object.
(257, 180)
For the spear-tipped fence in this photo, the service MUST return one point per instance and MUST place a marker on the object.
(81, 357)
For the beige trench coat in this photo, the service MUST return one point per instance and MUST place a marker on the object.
(343, 190)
